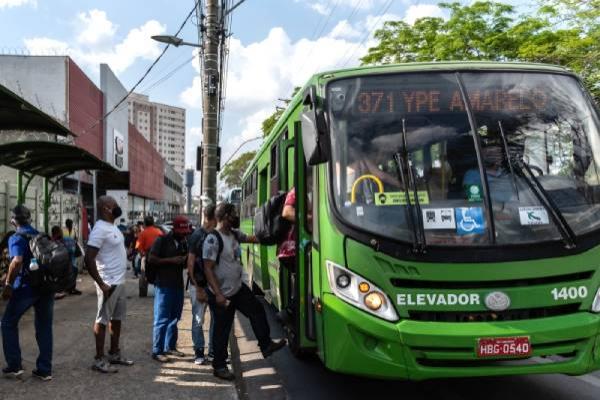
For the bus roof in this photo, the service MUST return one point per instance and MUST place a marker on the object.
(322, 77)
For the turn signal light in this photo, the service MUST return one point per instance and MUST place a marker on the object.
(364, 287)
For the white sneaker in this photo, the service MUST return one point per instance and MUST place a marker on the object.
(199, 361)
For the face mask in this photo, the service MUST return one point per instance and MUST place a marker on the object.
(117, 212)
(235, 222)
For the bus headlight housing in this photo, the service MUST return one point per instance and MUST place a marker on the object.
(596, 303)
(357, 291)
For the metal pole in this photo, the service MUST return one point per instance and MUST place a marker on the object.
(94, 196)
(46, 202)
(211, 101)
(20, 194)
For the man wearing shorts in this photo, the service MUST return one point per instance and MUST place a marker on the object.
(106, 260)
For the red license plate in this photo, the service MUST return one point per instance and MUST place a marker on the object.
(502, 347)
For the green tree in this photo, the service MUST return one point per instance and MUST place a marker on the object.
(269, 123)
(564, 32)
(232, 172)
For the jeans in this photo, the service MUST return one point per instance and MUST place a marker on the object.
(245, 302)
(137, 264)
(168, 305)
(198, 313)
(21, 300)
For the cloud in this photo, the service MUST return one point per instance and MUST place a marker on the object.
(344, 30)
(95, 43)
(415, 12)
(96, 28)
(324, 7)
(17, 3)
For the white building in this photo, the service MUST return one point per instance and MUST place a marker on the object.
(163, 126)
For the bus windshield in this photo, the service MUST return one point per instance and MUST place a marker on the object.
(475, 158)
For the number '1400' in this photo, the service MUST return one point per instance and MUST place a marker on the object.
(570, 293)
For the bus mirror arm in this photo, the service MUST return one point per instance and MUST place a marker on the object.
(315, 133)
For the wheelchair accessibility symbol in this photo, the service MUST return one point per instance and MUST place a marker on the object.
(469, 220)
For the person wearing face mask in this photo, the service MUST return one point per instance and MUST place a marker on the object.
(106, 261)
(168, 255)
(227, 291)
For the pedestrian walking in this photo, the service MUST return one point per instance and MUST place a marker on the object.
(197, 287)
(168, 257)
(70, 240)
(21, 297)
(228, 292)
(106, 260)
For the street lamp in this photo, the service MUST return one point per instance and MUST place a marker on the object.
(174, 40)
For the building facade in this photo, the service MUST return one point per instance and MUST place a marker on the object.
(163, 126)
(57, 86)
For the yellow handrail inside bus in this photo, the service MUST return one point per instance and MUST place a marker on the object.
(362, 178)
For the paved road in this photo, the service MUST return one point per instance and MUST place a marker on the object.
(310, 380)
(74, 351)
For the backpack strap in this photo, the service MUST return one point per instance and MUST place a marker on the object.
(220, 240)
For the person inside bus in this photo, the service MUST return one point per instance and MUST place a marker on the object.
(499, 178)
(286, 253)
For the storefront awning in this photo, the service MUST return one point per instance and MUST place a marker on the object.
(18, 114)
(49, 159)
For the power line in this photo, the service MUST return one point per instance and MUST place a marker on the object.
(384, 9)
(120, 102)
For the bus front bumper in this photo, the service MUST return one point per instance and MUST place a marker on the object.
(358, 343)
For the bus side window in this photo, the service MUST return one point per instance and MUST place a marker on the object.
(274, 171)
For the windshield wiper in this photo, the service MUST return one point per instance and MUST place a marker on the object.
(408, 180)
(508, 160)
(559, 220)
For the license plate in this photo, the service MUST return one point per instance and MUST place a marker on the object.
(503, 347)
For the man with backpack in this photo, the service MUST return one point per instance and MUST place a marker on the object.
(197, 286)
(106, 260)
(165, 265)
(21, 296)
(227, 292)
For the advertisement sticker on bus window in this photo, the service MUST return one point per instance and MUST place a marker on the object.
(360, 212)
(469, 220)
(474, 193)
(399, 198)
(438, 218)
(533, 216)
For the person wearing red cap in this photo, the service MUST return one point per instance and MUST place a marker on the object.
(168, 254)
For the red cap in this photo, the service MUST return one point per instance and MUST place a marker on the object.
(181, 225)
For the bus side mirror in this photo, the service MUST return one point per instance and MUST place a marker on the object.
(315, 138)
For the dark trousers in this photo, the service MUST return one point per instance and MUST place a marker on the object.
(246, 303)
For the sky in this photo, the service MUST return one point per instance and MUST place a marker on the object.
(275, 46)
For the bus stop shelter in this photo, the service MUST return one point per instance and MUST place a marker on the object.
(52, 160)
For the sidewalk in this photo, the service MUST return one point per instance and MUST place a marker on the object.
(74, 353)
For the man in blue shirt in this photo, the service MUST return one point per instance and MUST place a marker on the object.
(21, 296)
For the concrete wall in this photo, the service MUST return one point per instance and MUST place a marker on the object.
(41, 80)
(116, 124)
(145, 167)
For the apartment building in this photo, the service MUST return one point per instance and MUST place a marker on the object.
(163, 126)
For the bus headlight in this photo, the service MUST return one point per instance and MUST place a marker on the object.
(596, 303)
(357, 291)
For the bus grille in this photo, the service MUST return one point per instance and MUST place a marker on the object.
(494, 316)
(450, 285)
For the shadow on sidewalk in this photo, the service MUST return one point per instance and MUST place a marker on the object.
(74, 352)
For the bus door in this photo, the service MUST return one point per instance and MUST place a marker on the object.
(302, 333)
(263, 262)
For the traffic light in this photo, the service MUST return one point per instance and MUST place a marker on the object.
(199, 158)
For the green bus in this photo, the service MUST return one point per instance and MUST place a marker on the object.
(447, 220)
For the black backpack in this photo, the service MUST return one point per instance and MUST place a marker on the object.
(151, 269)
(55, 273)
(269, 225)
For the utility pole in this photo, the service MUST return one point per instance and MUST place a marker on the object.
(210, 101)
